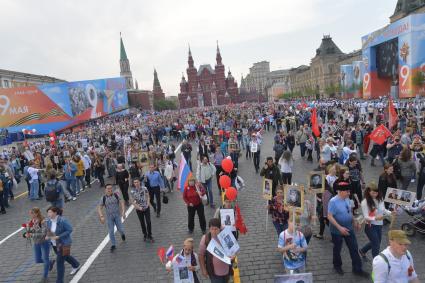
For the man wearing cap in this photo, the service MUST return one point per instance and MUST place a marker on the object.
(341, 220)
(395, 263)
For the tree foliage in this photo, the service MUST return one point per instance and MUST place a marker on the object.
(164, 104)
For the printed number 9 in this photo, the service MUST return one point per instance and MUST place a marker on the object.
(404, 74)
(4, 104)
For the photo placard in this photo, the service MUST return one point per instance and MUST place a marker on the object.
(267, 189)
(294, 197)
(316, 182)
(400, 197)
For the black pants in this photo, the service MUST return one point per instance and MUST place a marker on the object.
(124, 190)
(421, 183)
(323, 223)
(217, 176)
(248, 151)
(191, 210)
(87, 177)
(287, 178)
(256, 160)
(2, 209)
(145, 222)
(155, 192)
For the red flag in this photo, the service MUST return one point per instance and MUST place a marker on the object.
(380, 134)
(314, 125)
(392, 114)
(161, 254)
(239, 223)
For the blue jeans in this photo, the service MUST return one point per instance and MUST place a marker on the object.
(114, 220)
(374, 234)
(302, 148)
(208, 186)
(351, 243)
(60, 264)
(57, 203)
(41, 254)
(79, 183)
(280, 227)
(34, 189)
(70, 186)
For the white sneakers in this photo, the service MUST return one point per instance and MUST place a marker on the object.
(74, 270)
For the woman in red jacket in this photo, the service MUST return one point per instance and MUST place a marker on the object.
(191, 196)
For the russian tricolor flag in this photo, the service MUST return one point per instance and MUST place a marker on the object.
(170, 253)
(184, 173)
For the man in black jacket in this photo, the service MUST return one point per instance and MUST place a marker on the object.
(271, 171)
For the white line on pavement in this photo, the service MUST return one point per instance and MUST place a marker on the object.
(11, 235)
(96, 252)
(20, 229)
(102, 245)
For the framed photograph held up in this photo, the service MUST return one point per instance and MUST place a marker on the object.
(294, 197)
(400, 197)
(316, 182)
(267, 189)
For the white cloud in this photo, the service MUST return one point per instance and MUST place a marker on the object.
(79, 39)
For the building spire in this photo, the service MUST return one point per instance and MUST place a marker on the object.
(218, 56)
(123, 54)
(156, 83)
(125, 66)
(190, 59)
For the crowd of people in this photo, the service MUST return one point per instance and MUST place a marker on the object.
(137, 154)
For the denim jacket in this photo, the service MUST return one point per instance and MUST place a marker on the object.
(70, 175)
(63, 230)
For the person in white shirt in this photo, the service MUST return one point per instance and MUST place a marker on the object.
(87, 166)
(33, 180)
(395, 263)
(286, 163)
(374, 211)
(189, 257)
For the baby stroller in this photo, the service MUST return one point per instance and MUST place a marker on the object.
(417, 222)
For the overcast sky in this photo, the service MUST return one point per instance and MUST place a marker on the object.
(79, 39)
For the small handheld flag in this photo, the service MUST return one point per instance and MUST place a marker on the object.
(170, 253)
(161, 254)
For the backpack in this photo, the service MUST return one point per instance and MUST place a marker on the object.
(51, 192)
(385, 258)
(104, 198)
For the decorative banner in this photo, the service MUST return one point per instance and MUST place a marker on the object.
(347, 81)
(57, 106)
(394, 59)
(358, 77)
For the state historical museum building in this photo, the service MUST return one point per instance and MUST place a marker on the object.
(207, 86)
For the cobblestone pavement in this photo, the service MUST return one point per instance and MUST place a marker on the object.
(136, 261)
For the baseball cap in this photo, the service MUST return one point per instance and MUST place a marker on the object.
(372, 186)
(342, 186)
(399, 236)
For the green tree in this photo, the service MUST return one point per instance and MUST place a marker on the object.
(164, 104)
(418, 79)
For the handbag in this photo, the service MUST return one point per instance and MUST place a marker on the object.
(65, 250)
(203, 197)
(164, 199)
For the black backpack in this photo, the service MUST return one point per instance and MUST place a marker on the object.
(52, 192)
